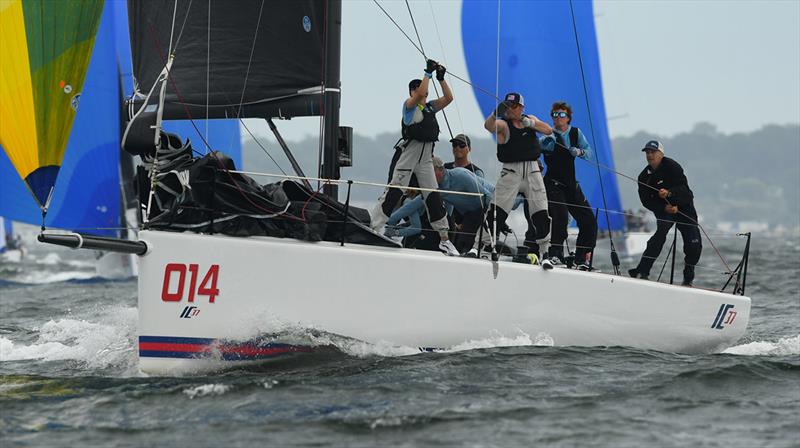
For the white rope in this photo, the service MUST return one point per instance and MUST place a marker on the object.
(355, 182)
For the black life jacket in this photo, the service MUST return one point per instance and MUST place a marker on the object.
(426, 130)
(522, 145)
(560, 162)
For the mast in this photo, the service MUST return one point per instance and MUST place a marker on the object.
(332, 96)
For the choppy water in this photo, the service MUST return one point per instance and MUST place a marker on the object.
(68, 377)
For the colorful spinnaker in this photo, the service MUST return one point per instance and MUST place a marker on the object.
(45, 50)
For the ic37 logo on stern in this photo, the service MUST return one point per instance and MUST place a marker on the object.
(725, 316)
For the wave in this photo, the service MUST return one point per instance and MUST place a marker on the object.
(782, 347)
(105, 342)
(206, 390)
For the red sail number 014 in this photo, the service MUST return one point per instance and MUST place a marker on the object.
(208, 287)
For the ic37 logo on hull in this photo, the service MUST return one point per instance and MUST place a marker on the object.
(725, 316)
(189, 312)
(175, 288)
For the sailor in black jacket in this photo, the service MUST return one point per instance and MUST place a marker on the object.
(664, 190)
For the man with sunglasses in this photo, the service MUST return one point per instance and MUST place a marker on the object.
(420, 131)
(563, 190)
(518, 149)
(461, 149)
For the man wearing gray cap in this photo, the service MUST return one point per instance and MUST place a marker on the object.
(518, 149)
(664, 190)
(462, 146)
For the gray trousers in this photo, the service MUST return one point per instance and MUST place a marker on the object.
(526, 178)
(416, 158)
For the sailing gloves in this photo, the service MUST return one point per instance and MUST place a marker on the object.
(430, 66)
(576, 152)
(440, 71)
(500, 111)
(528, 122)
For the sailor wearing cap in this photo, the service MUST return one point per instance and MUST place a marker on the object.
(462, 146)
(518, 149)
(420, 131)
(664, 190)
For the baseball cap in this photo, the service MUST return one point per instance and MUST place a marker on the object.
(514, 97)
(461, 138)
(653, 145)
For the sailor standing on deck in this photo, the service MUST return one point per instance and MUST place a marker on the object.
(563, 190)
(420, 132)
(518, 149)
(664, 190)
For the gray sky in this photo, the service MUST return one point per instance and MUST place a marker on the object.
(666, 65)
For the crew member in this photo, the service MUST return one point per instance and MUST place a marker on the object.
(461, 149)
(471, 207)
(664, 190)
(518, 149)
(563, 190)
(420, 132)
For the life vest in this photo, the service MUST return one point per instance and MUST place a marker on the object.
(522, 145)
(426, 130)
(560, 162)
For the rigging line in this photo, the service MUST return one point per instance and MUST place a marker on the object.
(496, 167)
(208, 146)
(455, 97)
(208, 64)
(591, 126)
(479, 88)
(172, 28)
(261, 146)
(441, 47)
(322, 97)
(250, 59)
(413, 22)
(580, 60)
(692, 220)
(183, 25)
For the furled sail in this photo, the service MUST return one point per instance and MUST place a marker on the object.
(539, 58)
(45, 52)
(251, 58)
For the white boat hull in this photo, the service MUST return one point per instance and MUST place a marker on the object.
(403, 297)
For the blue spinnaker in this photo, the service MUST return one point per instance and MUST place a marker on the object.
(539, 58)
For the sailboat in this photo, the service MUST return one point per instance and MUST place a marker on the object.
(210, 298)
(93, 191)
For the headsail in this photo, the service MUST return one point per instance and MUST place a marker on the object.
(539, 58)
(267, 56)
(45, 50)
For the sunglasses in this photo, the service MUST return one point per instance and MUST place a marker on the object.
(559, 115)
(459, 145)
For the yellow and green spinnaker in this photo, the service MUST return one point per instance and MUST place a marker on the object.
(45, 47)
